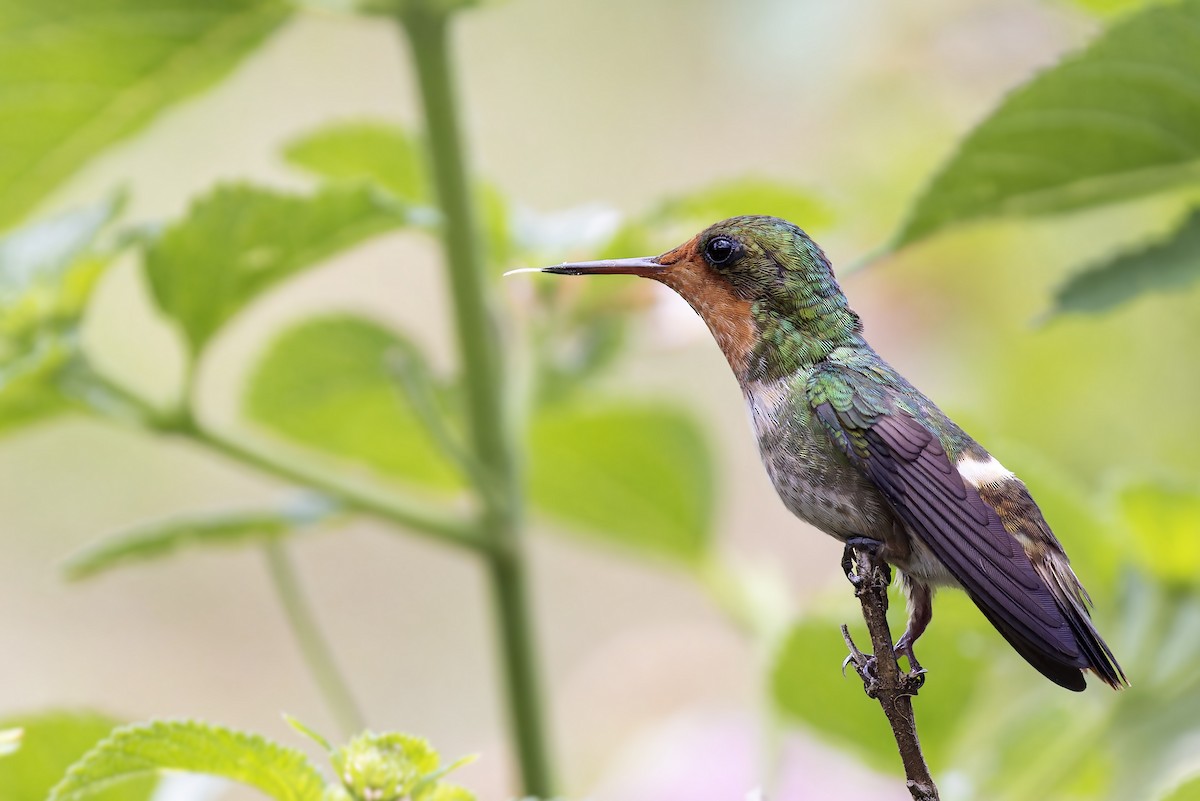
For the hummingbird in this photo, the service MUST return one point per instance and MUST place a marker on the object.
(855, 450)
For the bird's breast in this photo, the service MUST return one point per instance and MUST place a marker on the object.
(815, 481)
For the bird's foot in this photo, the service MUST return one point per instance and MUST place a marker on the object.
(883, 573)
(864, 665)
(914, 678)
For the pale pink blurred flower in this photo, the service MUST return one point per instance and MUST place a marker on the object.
(705, 757)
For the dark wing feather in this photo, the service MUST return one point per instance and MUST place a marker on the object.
(908, 464)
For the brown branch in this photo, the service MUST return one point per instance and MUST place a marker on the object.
(882, 677)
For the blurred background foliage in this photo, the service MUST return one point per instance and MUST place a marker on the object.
(194, 294)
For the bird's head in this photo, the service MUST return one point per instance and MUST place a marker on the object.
(764, 288)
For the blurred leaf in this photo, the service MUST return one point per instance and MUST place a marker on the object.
(150, 748)
(1189, 790)
(807, 683)
(385, 154)
(79, 76)
(640, 476)
(167, 537)
(326, 383)
(365, 151)
(28, 386)
(394, 8)
(748, 195)
(448, 792)
(308, 731)
(52, 741)
(10, 741)
(681, 217)
(238, 241)
(1164, 524)
(579, 329)
(1117, 120)
(1108, 8)
(48, 270)
(1171, 265)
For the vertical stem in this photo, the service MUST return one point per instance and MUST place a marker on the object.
(316, 651)
(426, 28)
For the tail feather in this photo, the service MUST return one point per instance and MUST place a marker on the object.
(1063, 673)
(1073, 602)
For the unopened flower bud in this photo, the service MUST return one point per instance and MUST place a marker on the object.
(383, 767)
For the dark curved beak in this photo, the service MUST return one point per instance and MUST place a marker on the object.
(644, 265)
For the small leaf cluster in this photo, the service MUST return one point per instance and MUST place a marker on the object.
(371, 767)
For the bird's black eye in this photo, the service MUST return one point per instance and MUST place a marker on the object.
(720, 250)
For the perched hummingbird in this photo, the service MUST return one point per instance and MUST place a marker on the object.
(855, 450)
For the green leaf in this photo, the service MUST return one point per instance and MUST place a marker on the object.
(79, 76)
(165, 538)
(148, 749)
(748, 195)
(1187, 791)
(28, 386)
(327, 384)
(388, 156)
(309, 732)
(1117, 120)
(807, 684)
(680, 217)
(1171, 265)
(1161, 520)
(365, 150)
(1110, 8)
(447, 792)
(239, 241)
(48, 270)
(10, 741)
(52, 741)
(640, 476)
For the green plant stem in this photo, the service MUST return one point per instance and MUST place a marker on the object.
(110, 399)
(426, 29)
(313, 645)
(401, 511)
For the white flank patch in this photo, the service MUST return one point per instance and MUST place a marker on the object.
(764, 400)
(978, 474)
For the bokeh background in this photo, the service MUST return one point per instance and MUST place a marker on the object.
(601, 109)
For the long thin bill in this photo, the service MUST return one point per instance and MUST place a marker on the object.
(640, 266)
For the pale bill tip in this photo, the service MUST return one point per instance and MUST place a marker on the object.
(522, 270)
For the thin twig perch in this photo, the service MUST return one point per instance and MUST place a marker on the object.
(882, 677)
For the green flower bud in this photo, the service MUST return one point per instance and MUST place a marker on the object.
(336, 792)
(383, 767)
